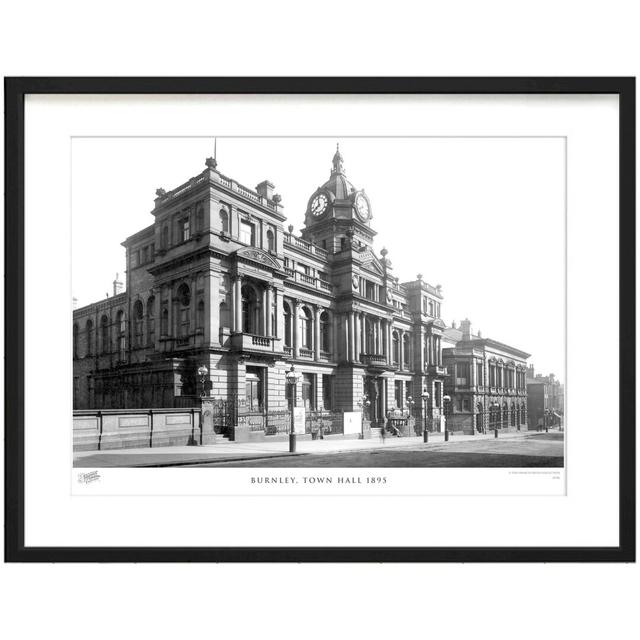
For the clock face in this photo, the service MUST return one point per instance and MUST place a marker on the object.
(319, 204)
(362, 206)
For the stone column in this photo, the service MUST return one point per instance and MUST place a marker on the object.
(294, 321)
(383, 393)
(358, 336)
(269, 329)
(351, 331)
(316, 332)
(236, 301)
(385, 344)
(211, 309)
(278, 329)
(401, 351)
(170, 309)
(264, 323)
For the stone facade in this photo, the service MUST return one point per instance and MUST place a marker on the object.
(545, 400)
(217, 280)
(486, 382)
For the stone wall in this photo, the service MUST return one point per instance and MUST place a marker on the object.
(127, 429)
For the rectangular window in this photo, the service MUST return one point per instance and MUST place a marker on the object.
(247, 233)
(145, 255)
(186, 229)
(370, 291)
(431, 308)
(327, 392)
(399, 398)
(462, 374)
(436, 393)
(308, 391)
(479, 381)
(254, 389)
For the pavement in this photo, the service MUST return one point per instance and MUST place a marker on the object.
(244, 451)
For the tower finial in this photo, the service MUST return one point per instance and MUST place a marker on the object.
(338, 167)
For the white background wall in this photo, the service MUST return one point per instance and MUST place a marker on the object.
(328, 38)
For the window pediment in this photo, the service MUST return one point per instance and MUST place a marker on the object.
(253, 254)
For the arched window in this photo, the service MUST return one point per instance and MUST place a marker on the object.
(288, 338)
(75, 341)
(406, 351)
(199, 218)
(396, 347)
(164, 321)
(325, 332)
(306, 328)
(164, 240)
(138, 315)
(271, 240)
(184, 299)
(104, 334)
(250, 309)
(224, 221)
(89, 330)
(151, 321)
(200, 315)
(120, 328)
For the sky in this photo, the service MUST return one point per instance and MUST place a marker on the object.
(483, 217)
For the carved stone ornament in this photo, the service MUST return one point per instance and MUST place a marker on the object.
(355, 281)
(257, 255)
(160, 192)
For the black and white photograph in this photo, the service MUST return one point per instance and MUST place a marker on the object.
(367, 314)
(318, 302)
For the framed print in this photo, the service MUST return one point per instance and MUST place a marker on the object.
(320, 319)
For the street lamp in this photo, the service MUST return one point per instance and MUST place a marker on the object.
(410, 403)
(292, 380)
(447, 404)
(496, 408)
(425, 400)
(202, 372)
(363, 403)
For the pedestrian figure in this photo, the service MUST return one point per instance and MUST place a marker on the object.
(383, 433)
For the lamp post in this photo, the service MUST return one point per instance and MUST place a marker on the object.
(202, 372)
(425, 402)
(292, 380)
(447, 404)
(363, 403)
(495, 407)
(410, 403)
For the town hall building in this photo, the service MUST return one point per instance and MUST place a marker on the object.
(218, 284)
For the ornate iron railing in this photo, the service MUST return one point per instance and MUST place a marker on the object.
(324, 422)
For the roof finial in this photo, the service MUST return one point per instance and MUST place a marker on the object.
(337, 161)
(212, 163)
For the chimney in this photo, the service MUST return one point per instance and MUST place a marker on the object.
(465, 327)
(118, 287)
(530, 371)
(265, 189)
(75, 303)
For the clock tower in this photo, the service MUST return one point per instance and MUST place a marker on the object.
(338, 213)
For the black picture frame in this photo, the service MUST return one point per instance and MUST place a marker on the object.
(15, 91)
